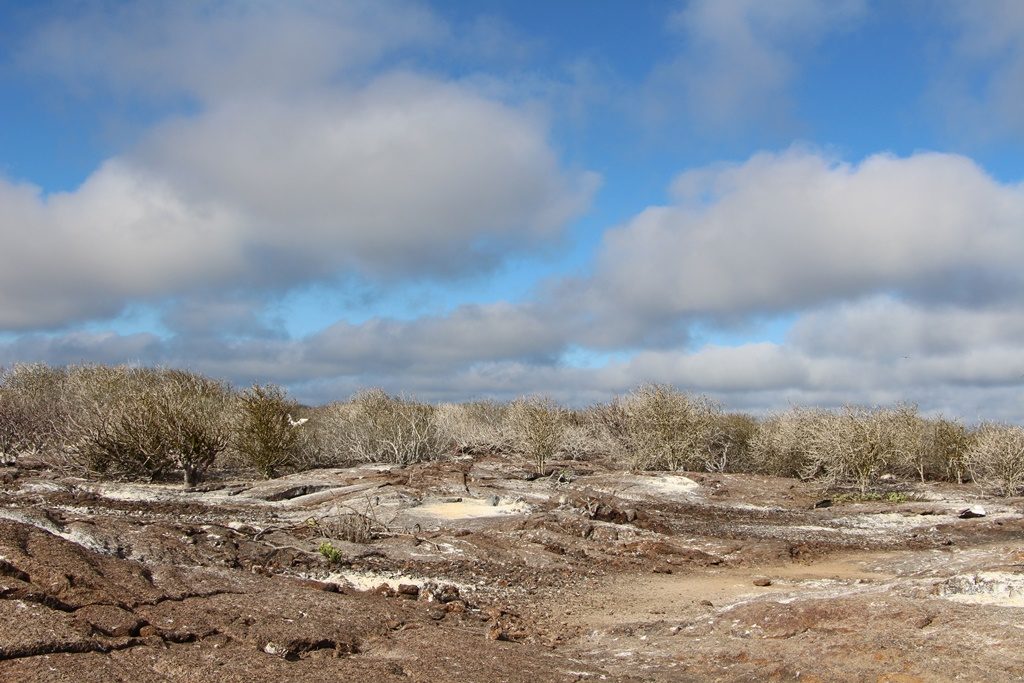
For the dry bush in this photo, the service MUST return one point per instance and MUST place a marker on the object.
(942, 453)
(392, 429)
(777, 447)
(537, 426)
(265, 435)
(141, 423)
(322, 441)
(372, 427)
(477, 427)
(31, 409)
(662, 428)
(857, 444)
(110, 426)
(997, 458)
(729, 449)
(586, 435)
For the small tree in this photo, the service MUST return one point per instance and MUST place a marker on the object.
(997, 458)
(112, 422)
(393, 429)
(729, 448)
(30, 409)
(858, 443)
(264, 434)
(942, 452)
(476, 427)
(664, 428)
(538, 427)
(192, 413)
(778, 446)
(143, 422)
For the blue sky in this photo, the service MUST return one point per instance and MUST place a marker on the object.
(771, 203)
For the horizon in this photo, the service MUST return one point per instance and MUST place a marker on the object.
(770, 204)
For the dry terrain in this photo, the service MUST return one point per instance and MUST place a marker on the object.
(476, 570)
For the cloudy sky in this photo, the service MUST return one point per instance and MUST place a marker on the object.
(773, 203)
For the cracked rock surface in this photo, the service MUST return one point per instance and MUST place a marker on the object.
(475, 570)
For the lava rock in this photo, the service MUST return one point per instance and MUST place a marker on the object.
(408, 590)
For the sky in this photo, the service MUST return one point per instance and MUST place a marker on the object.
(796, 202)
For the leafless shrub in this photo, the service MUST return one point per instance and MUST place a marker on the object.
(30, 409)
(586, 435)
(392, 429)
(777, 447)
(322, 440)
(264, 434)
(477, 427)
(856, 444)
(996, 458)
(110, 426)
(353, 527)
(662, 428)
(140, 422)
(537, 425)
(942, 452)
(729, 449)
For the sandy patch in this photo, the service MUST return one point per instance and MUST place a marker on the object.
(985, 588)
(366, 581)
(633, 486)
(469, 508)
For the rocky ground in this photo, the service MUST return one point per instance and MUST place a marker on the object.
(476, 570)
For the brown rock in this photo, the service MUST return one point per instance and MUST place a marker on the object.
(408, 590)
(315, 585)
(762, 581)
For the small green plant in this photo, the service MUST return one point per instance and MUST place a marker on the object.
(330, 553)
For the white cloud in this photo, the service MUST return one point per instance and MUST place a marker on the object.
(213, 49)
(887, 329)
(408, 175)
(788, 231)
(880, 350)
(982, 85)
(288, 171)
(739, 57)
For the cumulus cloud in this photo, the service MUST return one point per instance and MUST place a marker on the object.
(784, 232)
(306, 176)
(982, 85)
(739, 57)
(902, 275)
(883, 328)
(951, 360)
(210, 50)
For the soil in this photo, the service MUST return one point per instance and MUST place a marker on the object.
(477, 570)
